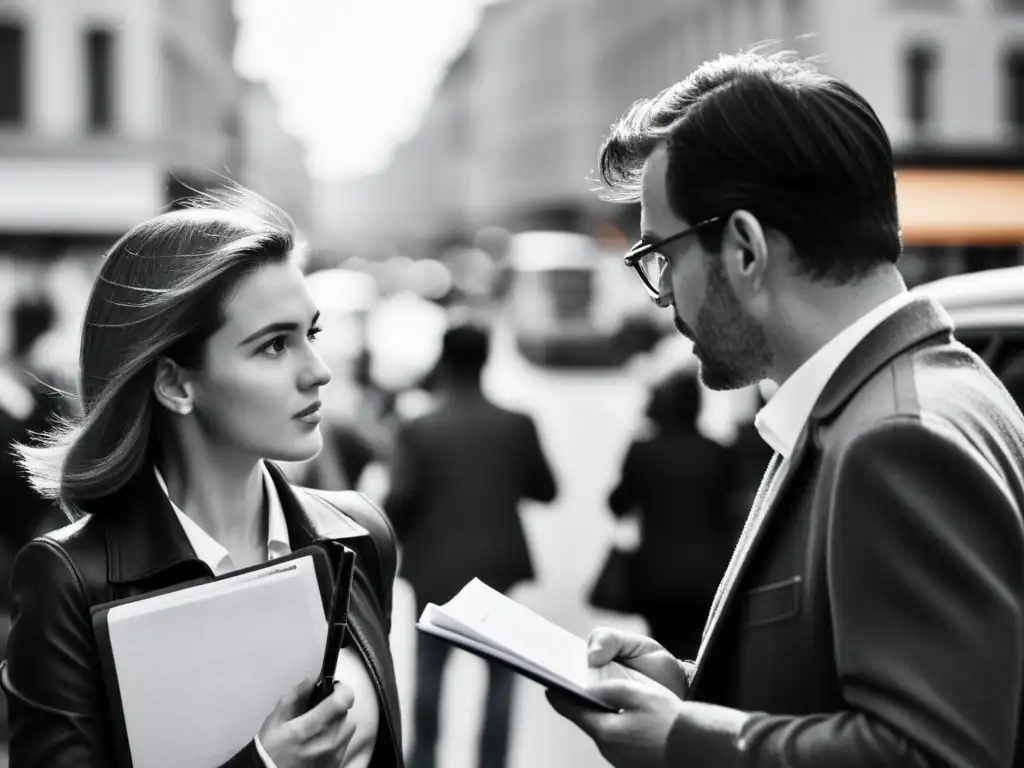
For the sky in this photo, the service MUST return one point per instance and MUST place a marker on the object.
(352, 77)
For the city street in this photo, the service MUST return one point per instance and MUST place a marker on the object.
(585, 419)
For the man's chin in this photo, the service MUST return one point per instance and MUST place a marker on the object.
(720, 378)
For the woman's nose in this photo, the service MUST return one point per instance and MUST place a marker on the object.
(319, 373)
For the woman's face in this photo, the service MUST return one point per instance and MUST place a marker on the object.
(258, 388)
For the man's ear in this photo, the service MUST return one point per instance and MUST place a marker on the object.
(173, 387)
(745, 254)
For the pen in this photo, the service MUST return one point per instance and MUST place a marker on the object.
(337, 625)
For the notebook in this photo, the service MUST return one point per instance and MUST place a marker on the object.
(491, 625)
(193, 671)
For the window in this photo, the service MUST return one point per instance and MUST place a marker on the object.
(12, 74)
(99, 44)
(1014, 79)
(920, 64)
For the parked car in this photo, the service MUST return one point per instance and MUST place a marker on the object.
(988, 310)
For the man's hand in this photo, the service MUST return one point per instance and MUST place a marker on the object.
(639, 653)
(633, 737)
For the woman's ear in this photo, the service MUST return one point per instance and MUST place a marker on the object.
(172, 387)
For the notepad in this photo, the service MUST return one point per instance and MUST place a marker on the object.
(198, 669)
(487, 623)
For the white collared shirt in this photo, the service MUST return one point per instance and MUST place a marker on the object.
(365, 711)
(782, 419)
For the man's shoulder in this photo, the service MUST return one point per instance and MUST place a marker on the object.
(944, 386)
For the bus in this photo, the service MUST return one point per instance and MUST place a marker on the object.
(571, 301)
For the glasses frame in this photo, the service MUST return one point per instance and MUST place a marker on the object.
(642, 249)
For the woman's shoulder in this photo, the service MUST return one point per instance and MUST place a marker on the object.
(71, 560)
(338, 510)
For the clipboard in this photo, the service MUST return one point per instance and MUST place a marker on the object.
(323, 569)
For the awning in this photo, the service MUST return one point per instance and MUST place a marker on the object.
(961, 207)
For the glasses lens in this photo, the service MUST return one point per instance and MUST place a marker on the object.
(653, 266)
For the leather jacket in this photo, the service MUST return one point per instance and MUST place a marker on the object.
(128, 544)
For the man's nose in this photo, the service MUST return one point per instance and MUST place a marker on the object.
(665, 295)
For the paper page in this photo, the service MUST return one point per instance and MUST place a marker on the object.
(199, 676)
(487, 616)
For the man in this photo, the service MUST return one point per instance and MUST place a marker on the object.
(458, 476)
(872, 612)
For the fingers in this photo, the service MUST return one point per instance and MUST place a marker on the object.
(292, 703)
(607, 645)
(585, 718)
(332, 743)
(621, 694)
(328, 713)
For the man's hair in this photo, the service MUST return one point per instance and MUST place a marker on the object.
(465, 349)
(770, 134)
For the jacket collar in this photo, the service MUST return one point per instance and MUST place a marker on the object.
(921, 320)
(145, 539)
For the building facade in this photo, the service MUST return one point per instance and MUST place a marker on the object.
(542, 81)
(110, 110)
(271, 160)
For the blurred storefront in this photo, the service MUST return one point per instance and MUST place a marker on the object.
(960, 212)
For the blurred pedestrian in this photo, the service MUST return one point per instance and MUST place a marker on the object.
(28, 404)
(678, 482)
(855, 623)
(459, 474)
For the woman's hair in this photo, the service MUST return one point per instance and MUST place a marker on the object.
(160, 292)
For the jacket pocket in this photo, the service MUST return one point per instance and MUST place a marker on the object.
(771, 603)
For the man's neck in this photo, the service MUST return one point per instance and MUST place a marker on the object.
(822, 312)
(223, 494)
(460, 389)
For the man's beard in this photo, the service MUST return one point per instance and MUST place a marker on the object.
(731, 348)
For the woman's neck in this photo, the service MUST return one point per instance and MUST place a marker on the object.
(222, 493)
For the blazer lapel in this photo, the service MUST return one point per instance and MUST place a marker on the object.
(921, 321)
(776, 482)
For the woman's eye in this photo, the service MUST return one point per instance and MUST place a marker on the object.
(275, 346)
(313, 332)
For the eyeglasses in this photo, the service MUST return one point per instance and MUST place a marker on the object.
(650, 263)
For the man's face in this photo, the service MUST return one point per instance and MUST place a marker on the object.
(730, 346)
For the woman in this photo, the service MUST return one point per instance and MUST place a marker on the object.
(197, 368)
(678, 481)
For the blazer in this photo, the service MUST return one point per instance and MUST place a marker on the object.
(458, 475)
(129, 544)
(873, 613)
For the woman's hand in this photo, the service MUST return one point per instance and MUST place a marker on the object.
(296, 738)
